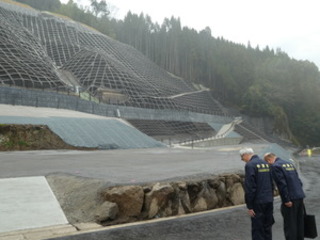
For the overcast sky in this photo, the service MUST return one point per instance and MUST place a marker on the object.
(292, 25)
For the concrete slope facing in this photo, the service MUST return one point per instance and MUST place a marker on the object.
(100, 133)
(27, 203)
(107, 133)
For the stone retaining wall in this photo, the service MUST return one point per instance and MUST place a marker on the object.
(122, 204)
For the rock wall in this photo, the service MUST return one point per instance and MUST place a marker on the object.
(120, 204)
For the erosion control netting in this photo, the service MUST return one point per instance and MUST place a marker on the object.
(253, 134)
(174, 130)
(23, 61)
(40, 50)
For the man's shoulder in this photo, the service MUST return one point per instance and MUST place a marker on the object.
(283, 164)
(256, 158)
(280, 162)
(256, 162)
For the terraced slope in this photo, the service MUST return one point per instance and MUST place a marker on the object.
(41, 50)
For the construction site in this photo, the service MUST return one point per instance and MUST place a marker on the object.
(89, 114)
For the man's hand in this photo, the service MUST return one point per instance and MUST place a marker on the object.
(251, 213)
(288, 204)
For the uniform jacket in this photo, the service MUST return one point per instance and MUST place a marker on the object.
(258, 182)
(288, 182)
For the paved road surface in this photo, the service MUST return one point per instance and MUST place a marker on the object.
(124, 166)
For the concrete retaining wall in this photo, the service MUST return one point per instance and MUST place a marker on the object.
(41, 98)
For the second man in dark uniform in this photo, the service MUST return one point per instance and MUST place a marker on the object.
(289, 185)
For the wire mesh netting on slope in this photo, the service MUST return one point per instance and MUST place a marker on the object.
(176, 131)
(90, 133)
(251, 133)
(40, 50)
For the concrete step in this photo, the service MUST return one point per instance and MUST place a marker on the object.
(39, 233)
(28, 203)
(50, 232)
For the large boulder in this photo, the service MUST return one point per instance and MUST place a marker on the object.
(128, 198)
(231, 179)
(214, 182)
(206, 198)
(158, 202)
(184, 199)
(211, 198)
(236, 194)
(194, 188)
(106, 211)
(200, 205)
(222, 193)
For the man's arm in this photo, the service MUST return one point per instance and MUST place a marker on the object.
(250, 187)
(279, 178)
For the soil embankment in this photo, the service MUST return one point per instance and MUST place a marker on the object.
(30, 137)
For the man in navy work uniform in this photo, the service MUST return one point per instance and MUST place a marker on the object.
(289, 185)
(258, 194)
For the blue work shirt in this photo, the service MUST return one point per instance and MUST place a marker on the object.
(258, 182)
(288, 182)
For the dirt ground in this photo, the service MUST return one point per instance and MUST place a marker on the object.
(78, 196)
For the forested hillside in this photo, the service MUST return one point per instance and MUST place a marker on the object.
(258, 82)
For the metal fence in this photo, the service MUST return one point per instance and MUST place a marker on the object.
(68, 100)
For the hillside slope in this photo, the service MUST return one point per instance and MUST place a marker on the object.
(41, 50)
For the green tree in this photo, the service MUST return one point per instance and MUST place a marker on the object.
(99, 8)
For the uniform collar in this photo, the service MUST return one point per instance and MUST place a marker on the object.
(253, 157)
